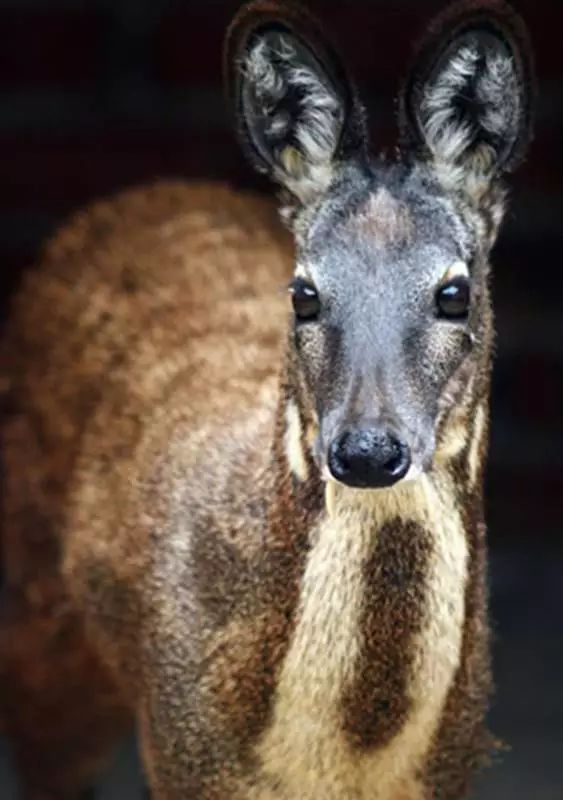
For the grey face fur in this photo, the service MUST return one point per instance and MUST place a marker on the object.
(377, 241)
(378, 249)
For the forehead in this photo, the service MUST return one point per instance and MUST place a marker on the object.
(385, 223)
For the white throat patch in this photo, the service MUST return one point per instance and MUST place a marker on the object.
(304, 750)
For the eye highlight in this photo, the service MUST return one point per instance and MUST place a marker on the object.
(453, 298)
(305, 299)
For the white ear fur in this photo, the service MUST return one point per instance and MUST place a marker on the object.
(446, 136)
(304, 136)
(467, 104)
(463, 148)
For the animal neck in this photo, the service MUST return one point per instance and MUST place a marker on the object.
(375, 603)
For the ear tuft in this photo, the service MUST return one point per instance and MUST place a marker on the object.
(296, 112)
(467, 102)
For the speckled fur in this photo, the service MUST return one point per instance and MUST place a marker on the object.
(174, 556)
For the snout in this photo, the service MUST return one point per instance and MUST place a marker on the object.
(367, 457)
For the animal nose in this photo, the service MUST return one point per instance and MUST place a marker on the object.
(368, 458)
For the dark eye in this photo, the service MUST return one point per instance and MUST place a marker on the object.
(453, 298)
(305, 299)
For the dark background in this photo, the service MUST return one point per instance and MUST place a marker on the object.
(97, 95)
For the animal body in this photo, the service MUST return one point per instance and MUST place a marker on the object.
(254, 530)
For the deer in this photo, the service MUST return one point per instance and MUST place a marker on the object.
(253, 527)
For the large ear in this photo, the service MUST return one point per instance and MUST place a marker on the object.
(297, 114)
(466, 104)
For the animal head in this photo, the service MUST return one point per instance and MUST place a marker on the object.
(391, 326)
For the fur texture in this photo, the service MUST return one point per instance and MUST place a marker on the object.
(176, 549)
(311, 116)
(463, 142)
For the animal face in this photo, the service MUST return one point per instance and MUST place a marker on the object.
(391, 322)
(386, 316)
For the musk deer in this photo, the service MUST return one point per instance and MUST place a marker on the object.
(268, 551)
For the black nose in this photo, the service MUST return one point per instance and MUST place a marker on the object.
(368, 458)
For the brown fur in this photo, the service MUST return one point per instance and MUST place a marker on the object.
(174, 556)
(124, 445)
(100, 309)
(377, 705)
(148, 434)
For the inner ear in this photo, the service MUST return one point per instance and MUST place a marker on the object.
(292, 108)
(467, 100)
(296, 111)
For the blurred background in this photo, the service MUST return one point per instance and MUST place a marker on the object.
(99, 95)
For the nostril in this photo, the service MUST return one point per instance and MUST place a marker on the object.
(398, 461)
(338, 461)
(394, 463)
